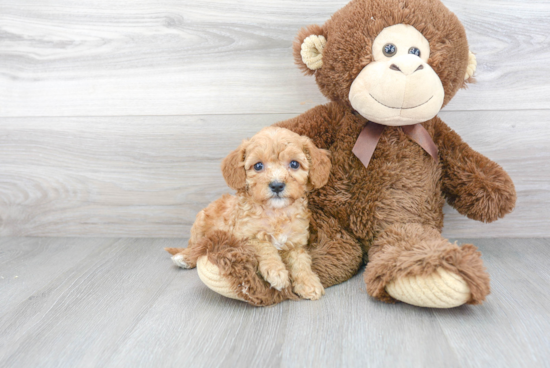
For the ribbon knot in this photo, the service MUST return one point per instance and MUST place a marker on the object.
(371, 133)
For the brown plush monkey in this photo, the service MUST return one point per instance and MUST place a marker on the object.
(388, 67)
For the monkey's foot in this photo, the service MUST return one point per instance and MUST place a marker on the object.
(229, 267)
(211, 276)
(441, 289)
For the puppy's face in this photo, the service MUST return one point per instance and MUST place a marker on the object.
(278, 166)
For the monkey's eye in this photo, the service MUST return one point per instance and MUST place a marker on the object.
(294, 165)
(258, 166)
(389, 50)
(414, 51)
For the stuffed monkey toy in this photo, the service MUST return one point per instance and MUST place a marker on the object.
(387, 67)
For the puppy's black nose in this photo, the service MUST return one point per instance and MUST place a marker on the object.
(277, 187)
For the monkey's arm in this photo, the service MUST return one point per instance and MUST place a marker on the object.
(318, 123)
(476, 186)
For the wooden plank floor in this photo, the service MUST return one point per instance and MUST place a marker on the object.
(111, 302)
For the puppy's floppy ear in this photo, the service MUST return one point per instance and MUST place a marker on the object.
(233, 168)
(319, 164)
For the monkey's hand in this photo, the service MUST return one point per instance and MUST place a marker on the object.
(476, 186)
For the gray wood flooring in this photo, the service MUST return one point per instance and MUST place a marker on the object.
(115, 115)
(111, 302)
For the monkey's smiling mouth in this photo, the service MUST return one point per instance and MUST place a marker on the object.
(401, 108)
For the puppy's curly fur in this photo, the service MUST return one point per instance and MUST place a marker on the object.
(272, 174)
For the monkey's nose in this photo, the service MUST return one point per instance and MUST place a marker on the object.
(406, 67)
(277, 187)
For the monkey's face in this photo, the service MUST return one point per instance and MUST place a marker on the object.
(395, 62)
(398, 87)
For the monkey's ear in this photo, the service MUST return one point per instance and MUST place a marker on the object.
(308, 48)
(233, 168)
(471, 69)
(319, 164)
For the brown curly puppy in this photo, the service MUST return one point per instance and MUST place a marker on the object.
(270, 208)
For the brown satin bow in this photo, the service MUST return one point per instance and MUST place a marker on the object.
(371, 133)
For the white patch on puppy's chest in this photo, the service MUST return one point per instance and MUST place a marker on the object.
(279, 241)
(283, 228)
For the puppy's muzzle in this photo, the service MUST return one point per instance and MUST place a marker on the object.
(276, 187)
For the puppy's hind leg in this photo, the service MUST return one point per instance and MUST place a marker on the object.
(187, 257)
(180, 258)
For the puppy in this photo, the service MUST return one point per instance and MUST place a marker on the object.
(272, 173)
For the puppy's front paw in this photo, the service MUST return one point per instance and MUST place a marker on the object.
(278, 278)
(310, 288)
(179, 260)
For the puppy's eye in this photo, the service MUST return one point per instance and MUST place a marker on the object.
(389, 50)
(294, 165)
(258, 166)
(414, 51)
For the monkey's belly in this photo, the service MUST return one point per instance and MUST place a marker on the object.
(410, 191)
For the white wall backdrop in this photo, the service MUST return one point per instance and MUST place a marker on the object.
(114, 115)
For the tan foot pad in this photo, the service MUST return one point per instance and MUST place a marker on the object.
(210, 275)
(442, 289)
